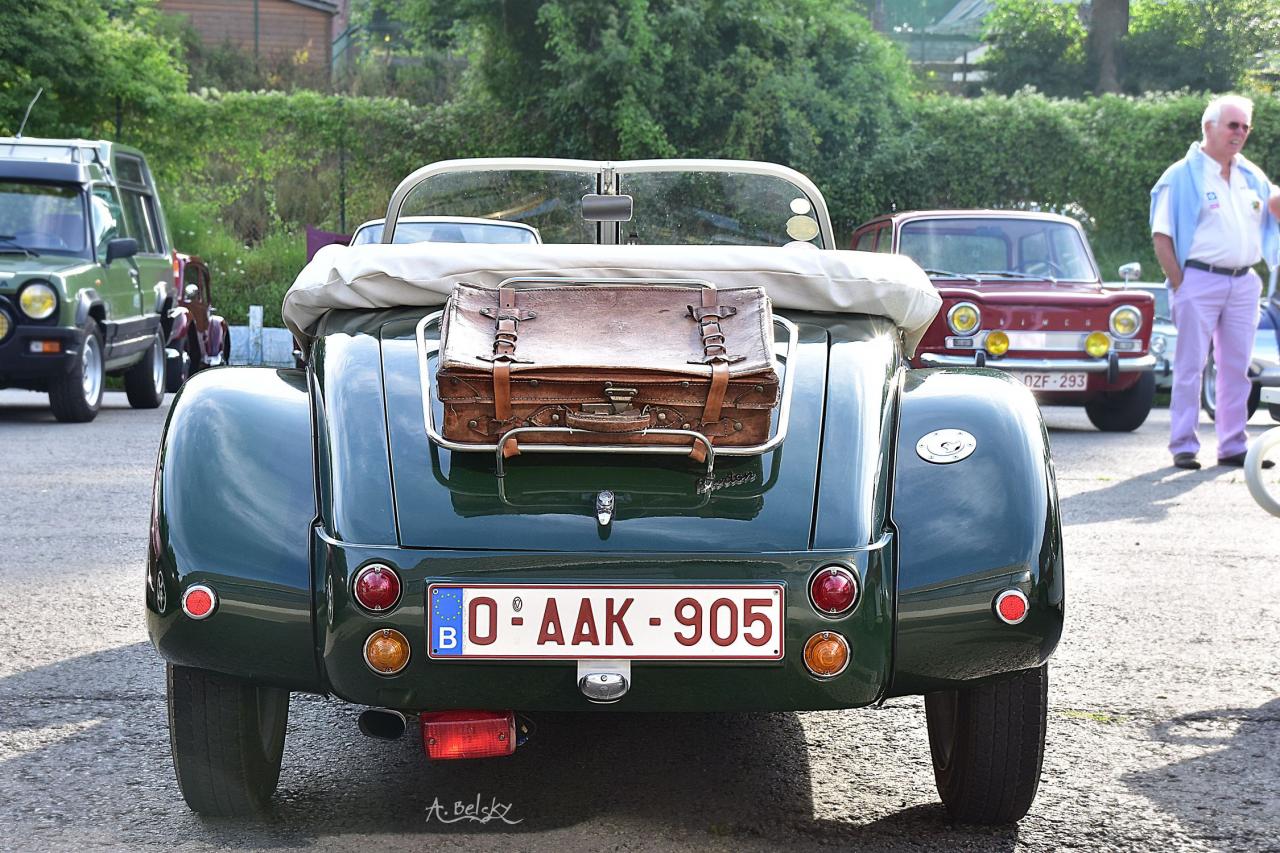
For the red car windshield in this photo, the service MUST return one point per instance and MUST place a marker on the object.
(990, 247)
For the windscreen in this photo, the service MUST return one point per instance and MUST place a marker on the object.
(1161, 295)
(446, 232)
(549, 201)
(41, 218)
(1000, 248)
(717, 208)
(693, 206)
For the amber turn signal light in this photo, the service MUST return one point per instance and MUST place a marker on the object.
(386, 651)
(826, 654)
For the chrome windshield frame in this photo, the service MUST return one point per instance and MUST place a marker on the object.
(606, 172)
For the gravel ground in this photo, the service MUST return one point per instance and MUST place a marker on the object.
(1164, 719)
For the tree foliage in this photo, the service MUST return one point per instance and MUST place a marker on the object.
(803, 82)
(93, 66)
(1205, 45)
(1038, 44)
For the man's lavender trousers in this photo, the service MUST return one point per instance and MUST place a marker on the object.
(1210, 306)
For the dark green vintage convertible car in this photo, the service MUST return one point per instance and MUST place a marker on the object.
(897, 533)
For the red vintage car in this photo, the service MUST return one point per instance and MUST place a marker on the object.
(198, 337)
(1021, 293)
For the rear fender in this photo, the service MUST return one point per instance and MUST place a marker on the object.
(233, 508)
(970, 529)
(179, 325)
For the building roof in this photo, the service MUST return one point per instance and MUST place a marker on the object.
(967, 18)
(320, 5)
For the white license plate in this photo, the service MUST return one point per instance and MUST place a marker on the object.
(570, 621)
(1054, 381)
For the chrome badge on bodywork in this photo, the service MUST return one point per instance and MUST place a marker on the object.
(944, 446)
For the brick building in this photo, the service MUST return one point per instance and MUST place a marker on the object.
(273, 30)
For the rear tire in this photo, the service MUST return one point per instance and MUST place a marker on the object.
(144, 382)
(1124, 411)
(987, 743)
(76, 396)
(177, 367)
(227, 739)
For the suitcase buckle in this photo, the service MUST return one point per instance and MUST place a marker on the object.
(619, 402)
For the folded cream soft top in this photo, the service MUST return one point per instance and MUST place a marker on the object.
(798, 277)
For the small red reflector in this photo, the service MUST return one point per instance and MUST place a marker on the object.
(468, 734)
(377, 587)
(1011, 606)
(198, 602)
(833, 590)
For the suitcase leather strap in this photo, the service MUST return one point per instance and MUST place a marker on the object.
(715, 352)
(507, 319)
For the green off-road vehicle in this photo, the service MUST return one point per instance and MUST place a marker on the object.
(86, 273)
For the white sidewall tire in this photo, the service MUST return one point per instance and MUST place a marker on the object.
(1253, 470)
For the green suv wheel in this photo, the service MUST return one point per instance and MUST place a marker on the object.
(988, 745)
(227, 738)
(76, 395)
(145, 381)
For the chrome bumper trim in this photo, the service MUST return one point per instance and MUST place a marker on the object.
(1141, 364)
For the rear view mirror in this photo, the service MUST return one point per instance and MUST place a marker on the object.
(607, 208)
(1131, 271)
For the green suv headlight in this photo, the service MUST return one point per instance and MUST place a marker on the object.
(1125, 321)
(38, 301)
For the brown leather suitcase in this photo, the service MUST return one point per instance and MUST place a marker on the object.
(610, 361)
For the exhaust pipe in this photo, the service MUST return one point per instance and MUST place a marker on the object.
(382, 723)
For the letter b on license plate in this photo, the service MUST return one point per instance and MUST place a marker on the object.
(549, 621)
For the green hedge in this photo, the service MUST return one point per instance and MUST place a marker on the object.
(1096, 158)
(244, 173)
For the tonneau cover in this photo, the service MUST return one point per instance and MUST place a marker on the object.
(798, 277)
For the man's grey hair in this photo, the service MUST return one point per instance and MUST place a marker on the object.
(1213, 112)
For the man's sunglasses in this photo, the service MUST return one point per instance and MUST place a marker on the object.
(1238, 125)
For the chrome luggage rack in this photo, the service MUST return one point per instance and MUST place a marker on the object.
(428, 348)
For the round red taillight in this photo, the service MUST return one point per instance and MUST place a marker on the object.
(199, 601)
(1011, 606)
(377, 588)
(833, 590)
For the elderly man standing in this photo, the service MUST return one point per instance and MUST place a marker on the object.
(1214, 215)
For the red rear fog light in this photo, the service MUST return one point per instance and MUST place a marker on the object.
(468, 734)
(833, 590)
(1011, 606)
(377, 587)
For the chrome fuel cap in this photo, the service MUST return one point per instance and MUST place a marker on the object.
(944, 446)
